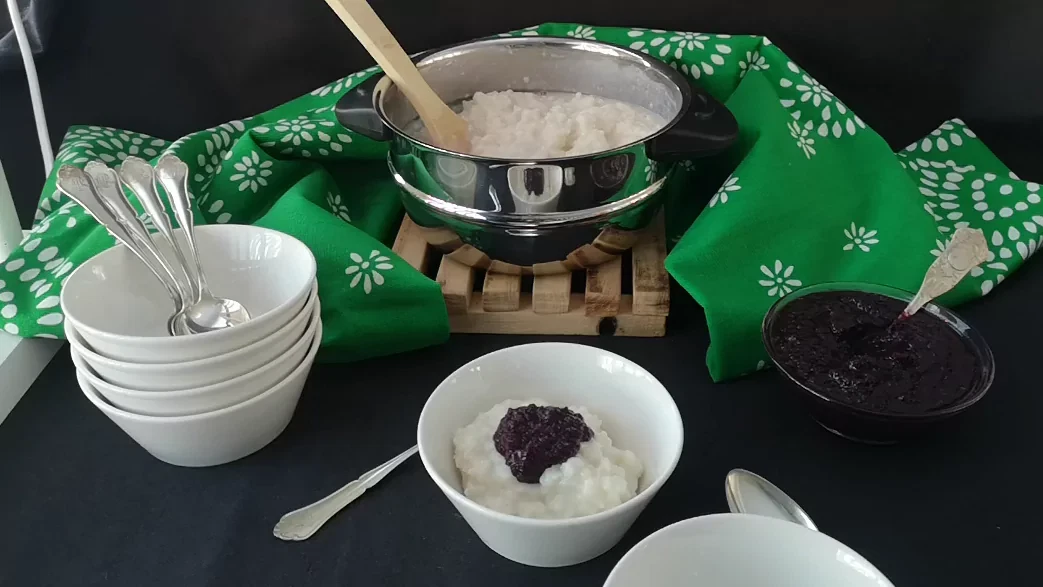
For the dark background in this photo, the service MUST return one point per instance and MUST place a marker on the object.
(80, 504)
(170, 67)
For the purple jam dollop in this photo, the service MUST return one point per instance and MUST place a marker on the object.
(849, 347)
(534, 438)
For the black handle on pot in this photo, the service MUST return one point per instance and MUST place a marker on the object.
(706, 128)
(355, 110)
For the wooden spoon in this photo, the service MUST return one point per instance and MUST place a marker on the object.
(446, 128)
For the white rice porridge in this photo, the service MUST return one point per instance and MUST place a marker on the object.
(600, 477)
(546, 125)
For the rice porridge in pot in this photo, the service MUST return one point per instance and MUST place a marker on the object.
(530, 459)
(547, 125)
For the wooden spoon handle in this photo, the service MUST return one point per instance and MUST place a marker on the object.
(444, 125)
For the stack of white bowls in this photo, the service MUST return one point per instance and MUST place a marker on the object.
(202, 399)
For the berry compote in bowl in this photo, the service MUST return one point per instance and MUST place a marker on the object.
(864, 374)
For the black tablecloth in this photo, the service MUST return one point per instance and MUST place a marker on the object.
(81, 504)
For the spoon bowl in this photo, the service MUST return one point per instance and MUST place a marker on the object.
(205, 312)
(209, 314)
(749, 493)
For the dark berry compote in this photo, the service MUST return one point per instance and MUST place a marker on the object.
(850, 347)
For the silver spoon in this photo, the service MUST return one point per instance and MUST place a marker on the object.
(82, 189)
(206, 312)
(966, 250)
(107, 183)
(301, 524)
(749, 493)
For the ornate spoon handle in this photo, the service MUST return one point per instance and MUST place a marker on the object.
(966, 250)
(301, 524)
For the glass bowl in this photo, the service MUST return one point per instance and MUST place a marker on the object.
(865, 424)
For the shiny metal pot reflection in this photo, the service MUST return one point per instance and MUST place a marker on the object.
(547, 215)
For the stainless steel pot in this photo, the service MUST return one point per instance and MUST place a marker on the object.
(546, 215)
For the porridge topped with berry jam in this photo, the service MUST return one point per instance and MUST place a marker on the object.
(531, 459)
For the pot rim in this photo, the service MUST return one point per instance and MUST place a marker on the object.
(592, 46)
(528, 220)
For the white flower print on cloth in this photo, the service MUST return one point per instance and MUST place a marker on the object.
(809, 101)
(72, 211)
(951, 190)
(302, 134)
(582, 32)
(1007, 207)
(1001, 258)
(731, 185)
(942, 192)
(941, 184)
(217, 142)
(802, 135)
(146, 221)
(651, 171)
(7, 309)
(859, 237)
(780, 281)
(530, 31)
(252, 172)
(107, 144)
(677, 45)
(345, 83)
(216, 149)
(961, 195)
(215, 208)
(338, 206)
(942, 138)
(44, 269)
(939, 247)
(754, 61)
(368, 270)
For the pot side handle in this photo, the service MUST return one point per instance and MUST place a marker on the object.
(355, 111)
(706, 128)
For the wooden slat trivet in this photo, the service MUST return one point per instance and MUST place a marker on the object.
(608, 305)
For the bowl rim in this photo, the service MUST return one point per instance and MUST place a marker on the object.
(160, 341)
(95, 396)
(639, 498)
(729, 517)
(174, 394)
(971, 336)
(132, 367)
(587, 45)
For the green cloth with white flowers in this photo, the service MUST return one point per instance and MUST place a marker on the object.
(809, 195)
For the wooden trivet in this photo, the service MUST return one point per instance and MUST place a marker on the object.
(608, 304)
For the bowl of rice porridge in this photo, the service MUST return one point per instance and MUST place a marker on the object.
(572, 141)
(550, 451)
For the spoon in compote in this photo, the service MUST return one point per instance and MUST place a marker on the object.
(966, 250)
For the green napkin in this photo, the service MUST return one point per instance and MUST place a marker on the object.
(292, 169)
(815, 196)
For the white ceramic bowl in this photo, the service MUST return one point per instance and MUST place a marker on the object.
(636, 410)
(213, 438)
(121, 310)
(197, 400)
(198, 373)
(740, 550)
